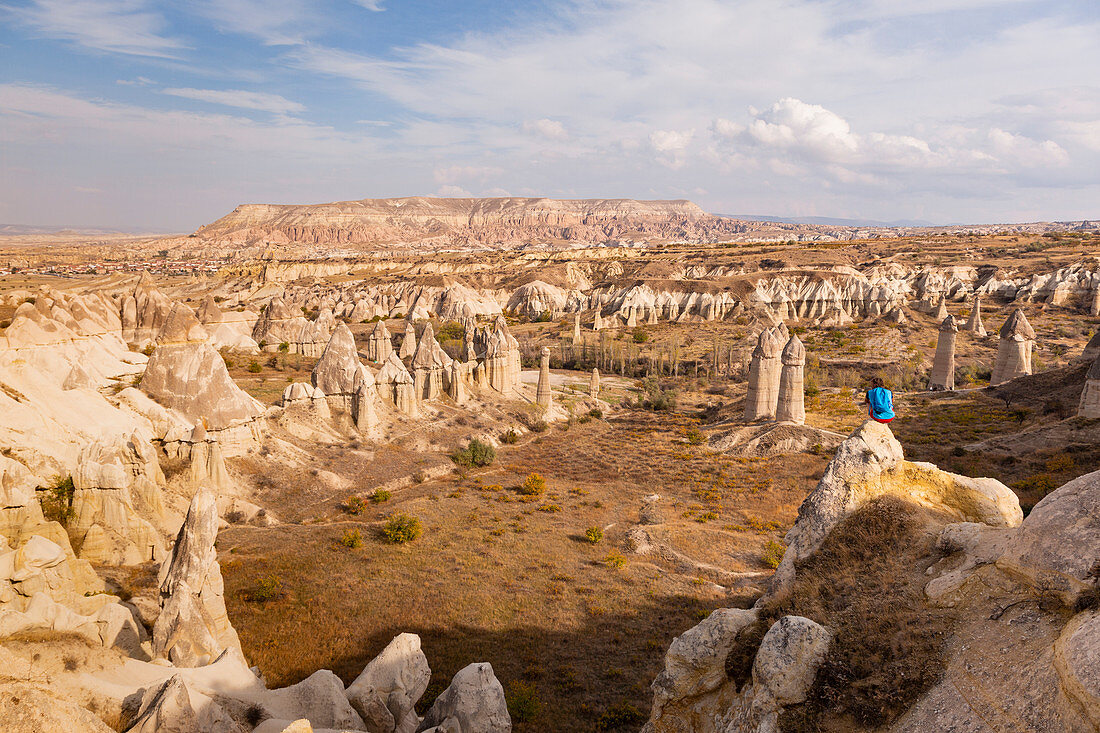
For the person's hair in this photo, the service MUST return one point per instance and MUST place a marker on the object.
(876, 382)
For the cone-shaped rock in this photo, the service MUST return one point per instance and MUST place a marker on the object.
(456, 386)
(408, 344)
(791, 406)
(1092, 348)
(1014, 350)
(542, 393)
(429, 363)
(396, 385)
(193, 628)
(941, 310)
(336, 370)
(974, 323)
(379, 344)
(764, 374)
(943, 367)
(1090, 395)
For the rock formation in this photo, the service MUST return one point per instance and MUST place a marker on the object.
(594, 384)
(1014, 351)
(1092, 348)
(193, 629)
(791, 402)
(338, 373)
(974, 322)
(473, 703)
(396, 386)
(940, 312)
(387, 690)
(379, 344)
(502, 359)
(1090, 395)
(943, 367)
(764, 375)
(408, 343)
(543, 397)
(429, 365)
(189, 376)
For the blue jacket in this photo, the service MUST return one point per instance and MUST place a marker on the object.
(882, 403)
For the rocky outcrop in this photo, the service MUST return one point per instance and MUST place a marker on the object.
(408, 341)
(791, 406)
(429, 366)
(765, 372)
(594, 384)
(543, 397)
(193, 628)
(974, 323)
(1089, 407)
(943, 366)
(473, 703)
(379, 343)
(387, 690)
(396, 386)
(188, 376)
(1014, 350)
(338, 372)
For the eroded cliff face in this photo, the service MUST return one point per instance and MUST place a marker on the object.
(470, 223)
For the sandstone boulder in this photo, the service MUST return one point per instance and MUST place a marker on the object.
(473, 703)
(390, 685)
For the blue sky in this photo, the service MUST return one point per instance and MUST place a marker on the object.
(156, 115)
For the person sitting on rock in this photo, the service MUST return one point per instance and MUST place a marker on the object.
(879, 401)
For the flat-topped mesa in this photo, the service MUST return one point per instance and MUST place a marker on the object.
(1090, 395)
(503, 222)
(765, 371)
(1014, 350)
(791, 407)
(943, 367)
(974, 322)
(408, 343)
(379, 343)
(396, 386)
(429, 363)
(542, 394)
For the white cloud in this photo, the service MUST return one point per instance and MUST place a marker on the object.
(373, 5)
(274, 22)
(129, 27)
(1026, 152)
(666, 141)
(552, 129)
(262, 101)
(450, 191)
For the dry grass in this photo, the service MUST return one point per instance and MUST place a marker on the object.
(866, 584)
(497, 576)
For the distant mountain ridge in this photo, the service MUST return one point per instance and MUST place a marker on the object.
(833, 221)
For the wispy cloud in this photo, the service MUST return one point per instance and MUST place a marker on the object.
(374, 5)
(262, 101)
(274, 22)
(116, 26)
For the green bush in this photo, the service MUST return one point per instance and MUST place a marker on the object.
(57, 501)
(773, 553)
(615, 560)
(352, 538)
(538, 426)
(593, 535)
(510, 437)
(533, 485)
(381, 495)
(523, 701)
(254, 367)
(450, 331)
(477, 454)
(401, 528)
(622, 715)
(355, 505)
(596, 413)
(695, 436)
(544, 317)
(266, 589)
(640, 336)
(1043, 483)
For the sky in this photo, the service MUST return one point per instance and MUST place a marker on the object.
(163, 116)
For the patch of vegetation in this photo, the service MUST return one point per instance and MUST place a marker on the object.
(475, 455)
(656, 396)
(352, 538)
(866, 584)
(695, 436)
(533, 485)
(1040, 483)
(57, 501)
(596, 413)
(617, 717)
(615, 559)
(773, 554)
(593, 535)
(523, 701)
(268, 588)
(640, 336)
(254, 367)
(355, 505)
(510, 437)
(381, 495)
(400, 529)
(538, 426)
(450, 331)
